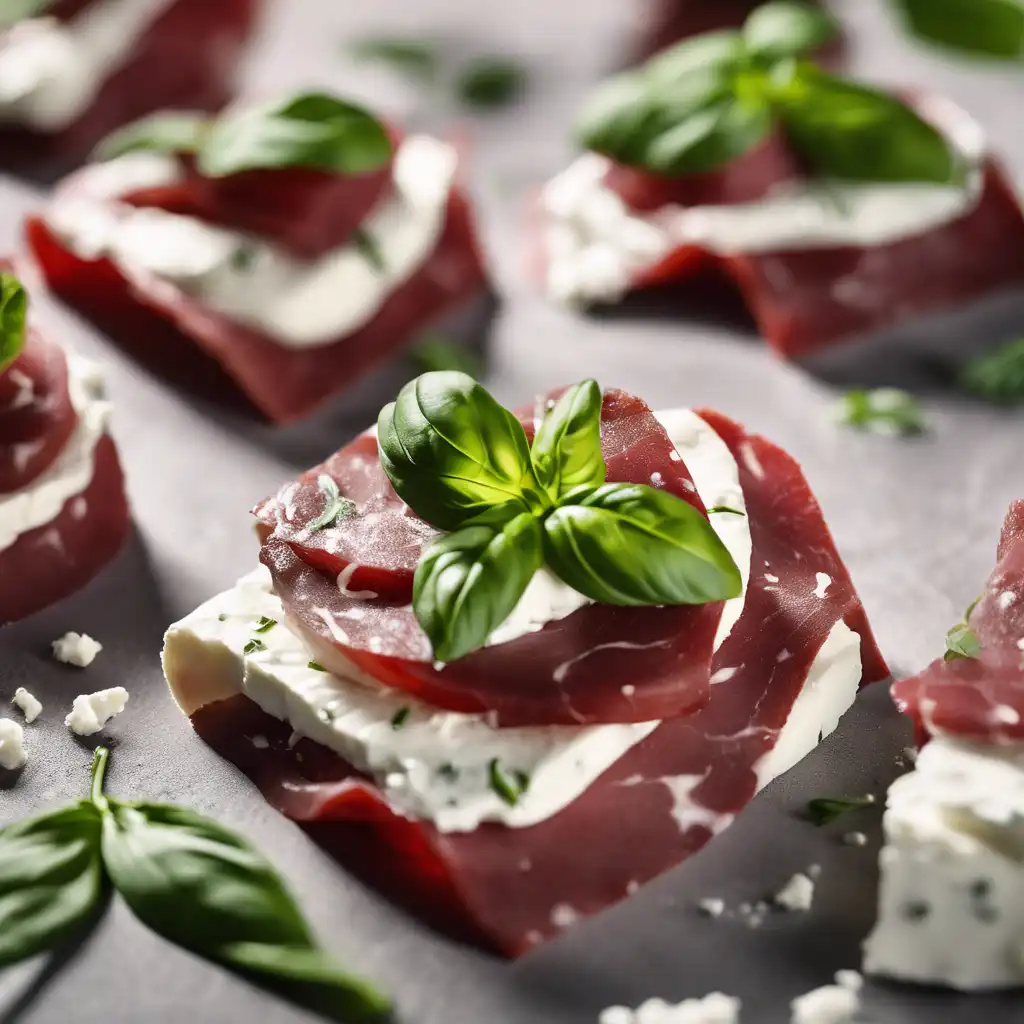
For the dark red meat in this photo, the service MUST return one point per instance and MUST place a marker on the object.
(572, 671)
(510, 889)
(48, 564)
(188, 60)
(980, 698)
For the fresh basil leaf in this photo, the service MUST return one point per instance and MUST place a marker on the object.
(490, 82)
(887, 411)
(412, 57)
(335, 505)
(787, 29)
(854, 132)
(567, 446)
(451, 451)
(13, 11)
(167, 132)
(510, 786)
(437, 353)
(51, 880)
(721, 51)
(203, 888)
(468, 582)
(962, 642)
(825, 810)
(13, 316)
(627, 544)
(997, 375)
(314, 130)
(988, 28)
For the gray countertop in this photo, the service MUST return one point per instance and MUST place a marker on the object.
(916, 521)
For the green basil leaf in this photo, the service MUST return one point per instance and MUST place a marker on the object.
(712, 51)
(468, 582)
(711, 137)
(313, 130)
(510, 786)
(886, 411)
(336, 506)
(825, 810)
(490, 82)
(854, 132)
(13, 315)
(411, 57)
(997, 375)
(787, 29)
(203, 888)
(437, 353)
(627, 544)
(988, 28)
(451, 451)
(13, 11)
(51, 880)
(167, 132)
(962, 642)
(567, 446)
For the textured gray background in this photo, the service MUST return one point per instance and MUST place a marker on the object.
(916, 521)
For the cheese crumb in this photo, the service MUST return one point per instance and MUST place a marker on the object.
(77, 649)
(91, 711)
(796, 894)
(712, 907)
(715, 1008)
(12, 745)
(30, 707)
(830, 1004)
(855, 839)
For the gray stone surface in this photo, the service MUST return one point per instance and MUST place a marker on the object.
(916, 521)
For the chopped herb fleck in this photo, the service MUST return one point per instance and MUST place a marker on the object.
(488, 83)
(962, 642)
(981, 889)
(398, 719)
(997, 375)
(725, 509)
(265, 625)
(254, 645)
(886, 411)
(316, 666)
(448, 771)
(222, 617)
(916, 910)
(824, 810)
(436, 353)
(412, 57)
(367, 245)
(335, 506)
(243, 258)
(510, 786)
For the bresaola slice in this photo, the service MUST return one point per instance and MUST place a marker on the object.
(512, 888)
(598, 664)
(980, 698)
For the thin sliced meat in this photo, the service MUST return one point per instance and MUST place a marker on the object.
(510, 889)
(980, 698)
(572, 671)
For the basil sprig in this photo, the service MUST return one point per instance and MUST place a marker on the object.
(312, 130)
(187, 878)
(987, 28)
(463, 463)
(13, 314)
(713, 98)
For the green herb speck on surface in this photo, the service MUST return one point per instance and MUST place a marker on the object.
(490, 83)
(998, 375)
(824, 810)
(254, 645)
(889, 412)
(510, 786)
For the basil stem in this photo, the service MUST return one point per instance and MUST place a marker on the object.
(13, 316)
(566, 449)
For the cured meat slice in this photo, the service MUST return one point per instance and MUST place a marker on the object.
(802, 641)
(981, 697)
(661, 656)
(187, 59)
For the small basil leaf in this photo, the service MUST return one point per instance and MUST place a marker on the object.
(988, 28)
(711, 137)
(824, 810)
(167, 132)
(451, 451)
(490, 83)
(411, 57)
(13, 314)
(51, 880)
(886, 411)
(627, 544)
(203, 888)
(468, 582)
(851, 131)
(314, 130)
(962, 642)
(787, 29)
(997, 375)
(336, 506)
(510, 786)
(567, 447)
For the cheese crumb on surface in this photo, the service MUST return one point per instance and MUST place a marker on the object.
(796, 894)
(830, 1004)
(715, 1008)
(77, 649)
(855, 839)
(712, 907)
(30, 707)
(91, 711)
(12, 745)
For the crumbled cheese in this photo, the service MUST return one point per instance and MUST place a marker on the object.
(90, 712)
(12, 745)
(715, 1008)
(796, 894)
(76, 649)
(855, 839)
(260, 742)
(712, 907)
(30, 707)
(830, 1004)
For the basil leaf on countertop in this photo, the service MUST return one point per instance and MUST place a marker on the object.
(997, 375)
(51, 880)
(787, 29)
(166, 132)
(314, 130)
(962, 642)
(468, 582)
(886, 411)
(626, 544)
(451, 451)
(824, 810)
(412, 57)
(566, 449)
(488, 83)
(986, 28)
(13, 315)
(205, 889)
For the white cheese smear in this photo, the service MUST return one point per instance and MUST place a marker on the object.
(41, 501)
(51, 72)
(298, 303)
